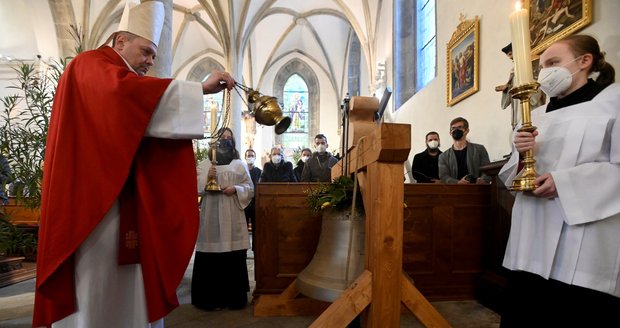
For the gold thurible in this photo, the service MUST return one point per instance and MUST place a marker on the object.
(524, 181)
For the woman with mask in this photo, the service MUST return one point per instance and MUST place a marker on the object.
(564, 243)
(277, 169)
(220, 276)
(306, 153)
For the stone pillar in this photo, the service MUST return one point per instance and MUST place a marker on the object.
(163, 63)
(235, 67)
(63, 16)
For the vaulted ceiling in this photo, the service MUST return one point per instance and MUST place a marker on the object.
(253, 37)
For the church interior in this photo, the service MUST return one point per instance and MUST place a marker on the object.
(314, 57)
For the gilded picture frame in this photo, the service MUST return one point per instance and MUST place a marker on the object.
(462, 61)
(553, 20)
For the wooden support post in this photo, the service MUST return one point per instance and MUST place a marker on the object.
(418, 305)
(385, 251)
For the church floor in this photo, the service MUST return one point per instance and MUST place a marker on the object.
(16, 303)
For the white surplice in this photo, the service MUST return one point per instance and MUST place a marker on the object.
(575, 237)
(223, 227)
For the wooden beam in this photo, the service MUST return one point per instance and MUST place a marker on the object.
(288, 304)
(349, 305)
(388, 143)
(385, 209)
(419, 305)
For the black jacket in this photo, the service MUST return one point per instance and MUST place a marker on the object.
(280, 173)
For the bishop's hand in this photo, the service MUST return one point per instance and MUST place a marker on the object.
(217, 81)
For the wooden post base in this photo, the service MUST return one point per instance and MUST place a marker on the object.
(289, 303)
(353, 301)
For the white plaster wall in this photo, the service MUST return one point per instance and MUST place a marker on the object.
(489, 124)
(426, 111)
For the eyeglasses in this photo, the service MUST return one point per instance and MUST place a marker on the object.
(460, 127)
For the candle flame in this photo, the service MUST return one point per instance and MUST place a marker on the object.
(518, 5)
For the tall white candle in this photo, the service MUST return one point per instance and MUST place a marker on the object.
(520, 32)
(213, 117)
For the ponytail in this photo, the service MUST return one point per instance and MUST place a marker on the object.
(607, 73)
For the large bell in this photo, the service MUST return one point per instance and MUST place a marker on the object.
(339, 256)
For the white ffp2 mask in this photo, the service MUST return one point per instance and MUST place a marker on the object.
(555, 80)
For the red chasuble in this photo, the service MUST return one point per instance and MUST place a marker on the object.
(95, 149)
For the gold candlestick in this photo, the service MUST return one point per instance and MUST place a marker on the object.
(524, 181)
(212, 184)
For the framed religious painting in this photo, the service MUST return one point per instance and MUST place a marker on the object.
(462, 61)
(551, 20)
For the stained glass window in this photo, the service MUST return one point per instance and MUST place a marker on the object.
(295, 106)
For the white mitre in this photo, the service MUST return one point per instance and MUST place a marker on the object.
(142, 19)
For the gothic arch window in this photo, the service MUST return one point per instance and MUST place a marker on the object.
(297, 81)
(213, 103)
(295, 101)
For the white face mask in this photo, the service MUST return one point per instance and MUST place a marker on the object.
(554, 81)
(305, 158)
(250, 160)
(433, 144)
(321, 148)
(276, 159)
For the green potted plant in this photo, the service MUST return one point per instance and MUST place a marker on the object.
(17, 242)
(23, 131)
(24, 123)
(337, 195)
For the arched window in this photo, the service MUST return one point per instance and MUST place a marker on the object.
(295, 101)
(297, 77)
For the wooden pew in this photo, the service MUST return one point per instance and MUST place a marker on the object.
(442, 236)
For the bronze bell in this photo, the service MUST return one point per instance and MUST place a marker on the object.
(339, 256)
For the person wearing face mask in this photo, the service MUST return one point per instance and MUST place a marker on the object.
(277, 169)
(255, 172)
(425, 165)
(564, 242)
(318, 168)
(220, 275)
(306, 153)
(461, 163)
